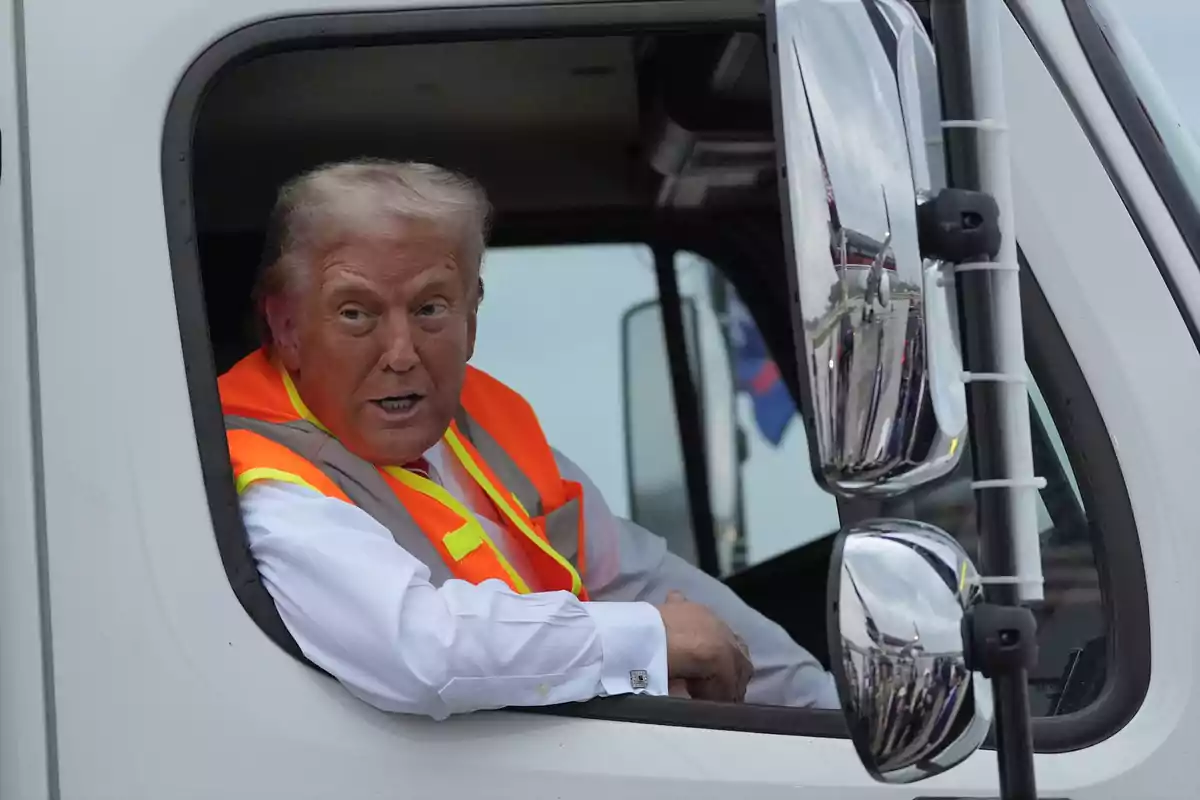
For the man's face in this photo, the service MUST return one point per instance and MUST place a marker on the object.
(377, 340)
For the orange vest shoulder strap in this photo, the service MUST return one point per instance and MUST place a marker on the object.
(254, 387)
(257, 458)
(511, 421)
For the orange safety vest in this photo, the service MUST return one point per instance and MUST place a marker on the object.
(272, 435)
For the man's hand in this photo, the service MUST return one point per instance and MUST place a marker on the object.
(704, 652)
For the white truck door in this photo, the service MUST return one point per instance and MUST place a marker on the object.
(162, 685)
(26, 744)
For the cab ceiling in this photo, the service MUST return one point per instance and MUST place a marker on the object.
(541, 123)
(544, 124)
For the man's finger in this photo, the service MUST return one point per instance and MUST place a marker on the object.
(675, 596)
(742, 671)
(728, 678)
(711, 688)
(745, 674)
(741, 643)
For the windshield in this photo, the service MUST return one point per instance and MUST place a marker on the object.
(1155, 41)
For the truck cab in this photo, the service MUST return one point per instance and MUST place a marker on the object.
(637, 294)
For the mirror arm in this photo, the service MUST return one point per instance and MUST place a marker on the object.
(996, 519)
(959, 225)
(1001, 640)
(1067, 518)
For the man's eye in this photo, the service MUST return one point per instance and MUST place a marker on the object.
(431, 309)
(353, 314)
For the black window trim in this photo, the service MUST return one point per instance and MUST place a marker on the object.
(1115, 541)
(1137, 123)
(458, 24)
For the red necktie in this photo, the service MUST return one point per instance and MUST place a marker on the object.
(419, 466)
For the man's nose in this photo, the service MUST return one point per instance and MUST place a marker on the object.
(401, 352)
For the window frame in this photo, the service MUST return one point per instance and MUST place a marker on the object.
(1122, 576)
(1109, 513)
(1123, 96)
(1114, 535)
(1076, 417)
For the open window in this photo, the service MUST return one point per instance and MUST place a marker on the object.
(632, 163)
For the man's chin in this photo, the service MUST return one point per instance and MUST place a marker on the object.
(397, 448)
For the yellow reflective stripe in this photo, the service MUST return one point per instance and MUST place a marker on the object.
(459, 540)
(267, 474)
(462, 542)
(297, 403)
(475, 472)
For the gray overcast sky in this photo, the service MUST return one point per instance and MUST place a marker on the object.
(1169, 34)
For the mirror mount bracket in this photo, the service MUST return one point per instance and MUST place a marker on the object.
(958, 226)
(1001, 640)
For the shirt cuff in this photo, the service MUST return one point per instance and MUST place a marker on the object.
(634, 643)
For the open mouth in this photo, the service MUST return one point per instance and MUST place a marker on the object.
(400, 403)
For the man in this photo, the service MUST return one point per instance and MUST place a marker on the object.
(422, 541)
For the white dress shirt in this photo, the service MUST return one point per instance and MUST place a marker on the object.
(362, 608)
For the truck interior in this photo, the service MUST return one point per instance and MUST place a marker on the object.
(661, 137)
(661, 134)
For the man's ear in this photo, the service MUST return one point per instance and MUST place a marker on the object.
(472, 324)
(473, 319)
(280, 312)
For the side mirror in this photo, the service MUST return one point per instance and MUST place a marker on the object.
(658, 488)
(881, 371)
(875, 328)
(900, 593)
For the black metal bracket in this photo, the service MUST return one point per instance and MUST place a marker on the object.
(959, 225)
(1001, 640)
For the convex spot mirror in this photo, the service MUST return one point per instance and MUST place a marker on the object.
(898, 594)
(875, 326)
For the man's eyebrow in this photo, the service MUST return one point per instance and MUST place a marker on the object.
(437, 278)
(343, 281)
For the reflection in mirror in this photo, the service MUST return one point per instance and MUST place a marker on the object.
(875, 319)
(921, 105)
(899, 591)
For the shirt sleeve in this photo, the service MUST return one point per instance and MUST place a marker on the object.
(363, 609)
(626, 562)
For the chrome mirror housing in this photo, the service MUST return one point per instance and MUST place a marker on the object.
(875, 324)
(899, 592)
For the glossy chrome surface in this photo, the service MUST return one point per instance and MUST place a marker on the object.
(900, 590)
(880, 338)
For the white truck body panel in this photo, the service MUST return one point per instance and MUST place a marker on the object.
(162, 687)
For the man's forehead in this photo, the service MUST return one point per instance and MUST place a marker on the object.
(372, 267)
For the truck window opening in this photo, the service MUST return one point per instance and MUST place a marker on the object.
(577, 139)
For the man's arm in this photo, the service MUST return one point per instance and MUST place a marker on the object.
(626, 562)
(363, 609)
